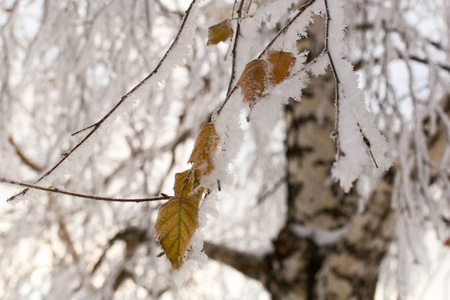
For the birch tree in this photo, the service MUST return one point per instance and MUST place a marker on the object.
(305, 144)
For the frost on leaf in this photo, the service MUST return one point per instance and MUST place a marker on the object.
(178, 218)
(253, 80)
(280, 64)
(260, 74)
(219, 33)
(187, 185)
(176, 223)
(204, 147)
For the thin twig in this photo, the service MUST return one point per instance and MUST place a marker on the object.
(269, 192)
(248, 7)
(367, 143)
(25, 159)
(91, 197)
(232, 10)
(97, 125)
(234, 51)
(335, 134)
(301, 10)
(84, 129)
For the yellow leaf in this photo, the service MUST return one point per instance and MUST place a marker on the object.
(280, 64)
(204, 147)
(253, 80)
(219, 33)
(187, 185)
(176, 223)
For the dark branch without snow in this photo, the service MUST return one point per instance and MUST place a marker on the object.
(85, 196)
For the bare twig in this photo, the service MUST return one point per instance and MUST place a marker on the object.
(91, 197)
(232, 10)
(97, 125)
(84, 129)
(269, 192)
(24, 157)
(248, 7)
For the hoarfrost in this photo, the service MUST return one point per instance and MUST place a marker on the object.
(357, 136)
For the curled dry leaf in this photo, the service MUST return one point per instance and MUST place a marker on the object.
(219, 32)
(280, 65)
(204, 147)
(253, 80)
(260, 74)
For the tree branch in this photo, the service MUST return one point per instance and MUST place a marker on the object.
(97, 125)
(234, 51)
(246, 263)
(91, 197)
(26, 160)
(335, 134)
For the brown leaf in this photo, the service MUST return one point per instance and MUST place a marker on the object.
(176, 223)
(253, 80)
(260, 74)
(280, 64)
(204, 147)
(219, 32)
(447, 242)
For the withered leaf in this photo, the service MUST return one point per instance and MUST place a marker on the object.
(447, 242)
(253, 80)
(219, 32)
(187, 185)
(176, 223)
(260, 74)
(280, 65)
(204, 147)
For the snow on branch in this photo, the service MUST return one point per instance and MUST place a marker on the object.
(360, 145)
(177, 51)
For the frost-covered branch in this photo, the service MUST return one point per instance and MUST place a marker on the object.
(235, 46)
(98, 124)
(301, 10)
(355, 132)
